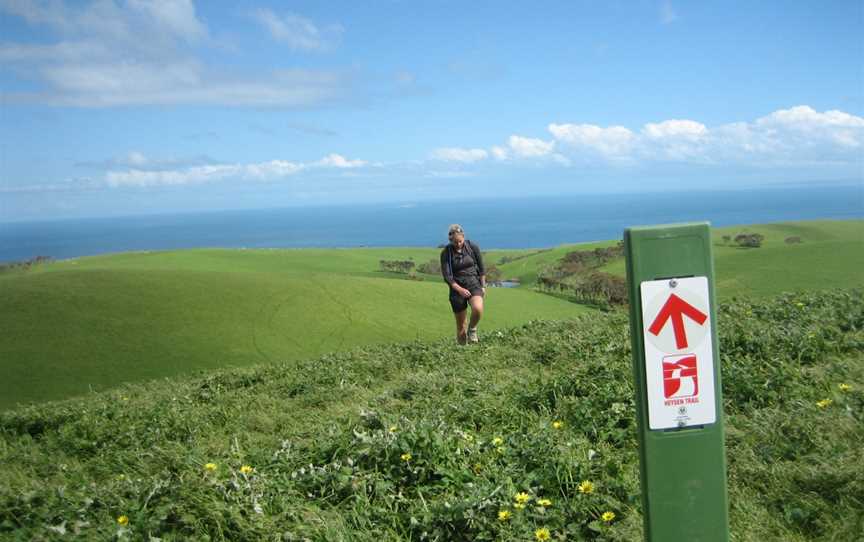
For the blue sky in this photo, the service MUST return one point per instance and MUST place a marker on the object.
(134, 107)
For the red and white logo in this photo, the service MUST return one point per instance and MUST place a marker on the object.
(680, 376)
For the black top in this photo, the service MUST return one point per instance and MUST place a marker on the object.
(465, 267)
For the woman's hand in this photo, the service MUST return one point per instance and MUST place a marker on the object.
(464, 292)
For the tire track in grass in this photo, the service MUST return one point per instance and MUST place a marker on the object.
(277, 304)
(346, 311)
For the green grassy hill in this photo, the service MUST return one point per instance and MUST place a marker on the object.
(830, 255)
(429, 441)
(92, 323)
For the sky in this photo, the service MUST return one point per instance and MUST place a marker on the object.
(122, 107)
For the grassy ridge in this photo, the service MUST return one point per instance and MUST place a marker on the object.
(400, 442)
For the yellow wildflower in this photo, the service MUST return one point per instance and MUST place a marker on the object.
(824, 403)
(246, 469)
(586, 487)
(123, 520)
(503, 515)
(844, 387)
(557, 424)
(497, 441)
(211, 466)
(799, 305)
(393, 428)
(608, 516)
(542, 534)
(544, 502)
(405, 457)
(121, 477)
(519, 506)
(500, 449)
(468, 437)
(522, 498)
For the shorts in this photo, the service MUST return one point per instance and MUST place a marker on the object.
(459, 303)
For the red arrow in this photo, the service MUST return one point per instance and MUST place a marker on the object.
(675, 308)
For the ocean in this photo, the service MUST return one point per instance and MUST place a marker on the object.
(493, 223)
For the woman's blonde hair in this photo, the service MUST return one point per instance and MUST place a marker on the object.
(454, 229)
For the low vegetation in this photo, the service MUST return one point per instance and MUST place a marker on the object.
(576, 276)
(531, 431)
(25, 265)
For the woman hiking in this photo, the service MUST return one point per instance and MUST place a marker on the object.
(462, 267)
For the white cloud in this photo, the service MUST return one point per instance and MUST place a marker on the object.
(499, 153)
(144, 53)
(674, 128)
(299, 33)
(456, 154)
(805, 117)
(273, 170)
(529, 147)
(612, 141)
(796, 136)
(176, 16)
(339, 161)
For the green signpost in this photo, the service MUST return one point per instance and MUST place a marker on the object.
(676, 366)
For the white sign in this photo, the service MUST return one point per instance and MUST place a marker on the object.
(679, 354)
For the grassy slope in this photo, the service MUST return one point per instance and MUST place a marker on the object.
(95, 322)
(328, 467)
(831, 255)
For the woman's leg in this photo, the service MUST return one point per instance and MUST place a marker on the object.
(461, 329)
(476, 303)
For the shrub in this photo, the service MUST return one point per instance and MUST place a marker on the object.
(749, 240)
(432, 267)
(397, 266)
(793, 240)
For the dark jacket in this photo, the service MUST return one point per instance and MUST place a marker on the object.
(466, 270)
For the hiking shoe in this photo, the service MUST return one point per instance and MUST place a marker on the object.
(472, 336)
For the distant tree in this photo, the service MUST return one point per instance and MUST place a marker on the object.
(727, 239)
(432, 267)
(749, 240)
(397, 266)
(793, 240)
(493, 274)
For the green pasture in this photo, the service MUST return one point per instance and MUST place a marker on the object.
(85, 324)
(830, 255)
(91, 323)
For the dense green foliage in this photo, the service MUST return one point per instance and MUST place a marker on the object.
(399, 442)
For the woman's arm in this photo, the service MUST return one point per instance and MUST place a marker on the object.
(446, 269)
(478, 258)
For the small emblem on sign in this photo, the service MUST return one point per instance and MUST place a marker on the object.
(680, 376)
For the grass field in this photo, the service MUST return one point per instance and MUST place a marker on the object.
(831, 255)
(91, 323)
(424, 440)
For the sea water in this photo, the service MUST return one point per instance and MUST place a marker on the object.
(492, 223)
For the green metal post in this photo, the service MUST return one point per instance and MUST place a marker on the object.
(670, 275)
